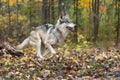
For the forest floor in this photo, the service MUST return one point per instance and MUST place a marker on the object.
(87, 63)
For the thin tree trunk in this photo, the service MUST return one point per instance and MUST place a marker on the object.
(30, 13)
(1, 14)
(97, 18)
(39, 13)
(95, 8)
(48, 13)
(9, 20)
(0, 6)
(118, 23)
(16, 12)
(94, 18)
(76, 21)
(52, 11)
(44, 12)
(89, 33)
(76, 29)
(17, 27)
(60, 7)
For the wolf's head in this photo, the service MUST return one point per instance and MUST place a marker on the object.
(67, 22)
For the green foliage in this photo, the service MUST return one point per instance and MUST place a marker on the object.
(74, 60)
(29, 14)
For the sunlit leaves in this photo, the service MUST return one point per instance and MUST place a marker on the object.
(26, 1)
(39, 0)
(84, 3)
(103, 9)
(4, 0)
(109, 1)
(12, 2)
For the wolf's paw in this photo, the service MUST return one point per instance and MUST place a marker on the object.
(40, 56)
(51, 56)
(54, 52)
(38, 61)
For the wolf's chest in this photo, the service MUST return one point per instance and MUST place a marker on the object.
(55, 39)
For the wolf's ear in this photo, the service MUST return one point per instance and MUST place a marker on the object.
(67, 15)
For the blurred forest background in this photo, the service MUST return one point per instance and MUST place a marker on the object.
(97, 20)
(98, 24)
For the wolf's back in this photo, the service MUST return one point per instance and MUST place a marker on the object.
(44, 27)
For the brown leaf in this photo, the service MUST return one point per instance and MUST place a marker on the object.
(73, 71)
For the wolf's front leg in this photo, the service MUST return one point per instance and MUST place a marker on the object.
(51, 49)
(38, 49)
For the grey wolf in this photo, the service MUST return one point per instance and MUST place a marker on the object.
(45, 37)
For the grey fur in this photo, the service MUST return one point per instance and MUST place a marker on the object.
(44, 39)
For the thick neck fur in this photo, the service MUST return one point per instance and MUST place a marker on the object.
(63, 30)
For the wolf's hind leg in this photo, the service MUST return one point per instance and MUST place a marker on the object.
(24, 44)
(46, 52)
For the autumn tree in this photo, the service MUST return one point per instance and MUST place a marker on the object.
(9, 17)
(117, 4)
(44, 16)
(52, 11)
(76, 21)
(95, 9)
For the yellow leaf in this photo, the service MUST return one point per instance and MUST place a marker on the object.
(17, 73)
(109, 1)
(25, 1)
(4, 0)
(11, 2)
(99, 57)
(75, 61)
(19, 0)
(31, 65)
(31, 58)
(44, 71)
(39, 0)
(66, 53)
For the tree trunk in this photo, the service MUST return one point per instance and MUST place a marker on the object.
(90, 19)
(44, 16)
(118, 23)
(9, 20)
(17, 26)
(76, 29)
(48, 13)
(30, 13)
(0, 6)
(16, 12)
(75, 3)
(52, 11)
(60, 7)
(95, 8)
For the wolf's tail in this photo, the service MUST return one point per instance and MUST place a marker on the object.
(24, 44)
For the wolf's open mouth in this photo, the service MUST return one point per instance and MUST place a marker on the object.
(69, 28)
